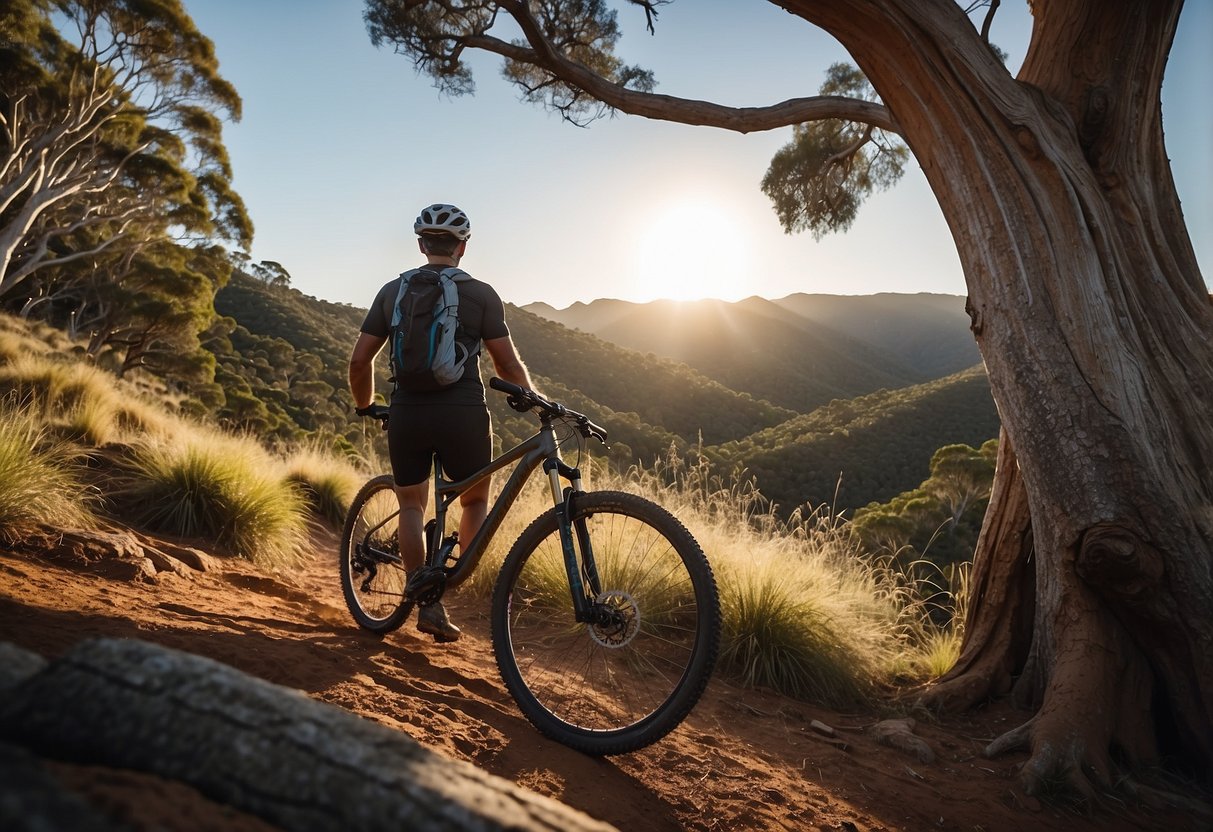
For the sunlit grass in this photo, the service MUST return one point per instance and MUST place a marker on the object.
(936, 634)
(79, 400)
(805, 611)
(38, 484)
(328, 483)
(51, 387)
(222, 489)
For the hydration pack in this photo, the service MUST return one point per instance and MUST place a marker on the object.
(425, 354)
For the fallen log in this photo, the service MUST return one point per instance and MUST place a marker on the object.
(258, 747)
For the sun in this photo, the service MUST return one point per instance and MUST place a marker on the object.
(691, 249)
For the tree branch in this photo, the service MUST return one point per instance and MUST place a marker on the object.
(680, 110)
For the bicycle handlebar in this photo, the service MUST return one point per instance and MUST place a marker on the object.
(524, 400)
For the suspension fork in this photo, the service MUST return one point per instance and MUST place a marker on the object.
(574, 538)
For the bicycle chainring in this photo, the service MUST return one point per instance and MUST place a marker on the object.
(426, 585)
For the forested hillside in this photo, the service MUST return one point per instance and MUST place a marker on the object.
(928, 332)
(660, 391)
(879, 445)
(282, 368)
(282, 359)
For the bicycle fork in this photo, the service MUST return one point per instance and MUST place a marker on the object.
(584, 583)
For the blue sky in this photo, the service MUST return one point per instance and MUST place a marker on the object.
(341, 143)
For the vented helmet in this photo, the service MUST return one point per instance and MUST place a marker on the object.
(441, 218)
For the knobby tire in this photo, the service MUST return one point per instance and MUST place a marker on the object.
(380, 607)
(608, 689)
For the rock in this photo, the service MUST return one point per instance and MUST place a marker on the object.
(31, 800)
(165, 563)
(258, 747)
(899, 734)
(118, 555)
(92, 546)
(17, 665)
(191, 557)
(822, 728)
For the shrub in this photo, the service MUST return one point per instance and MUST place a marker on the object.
(328, 483)
(224, 489)
(38, 484)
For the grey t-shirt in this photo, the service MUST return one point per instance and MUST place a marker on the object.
(481, 316)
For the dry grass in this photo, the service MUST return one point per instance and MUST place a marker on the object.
(38, 482)
(224, 489)
(328, 483)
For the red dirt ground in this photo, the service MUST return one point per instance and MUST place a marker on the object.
(743, 760)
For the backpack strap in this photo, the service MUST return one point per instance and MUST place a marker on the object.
(405, 277)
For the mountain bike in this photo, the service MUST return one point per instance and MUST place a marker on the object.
(605, 617)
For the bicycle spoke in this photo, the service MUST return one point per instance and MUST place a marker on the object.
(372, 574)
(627, 677)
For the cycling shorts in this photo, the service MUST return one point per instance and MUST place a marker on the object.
(461, 436)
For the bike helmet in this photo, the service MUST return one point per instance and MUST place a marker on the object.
(441, 218)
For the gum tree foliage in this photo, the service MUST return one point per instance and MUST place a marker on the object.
(941, 518)
(114, 181)
(1093, 576)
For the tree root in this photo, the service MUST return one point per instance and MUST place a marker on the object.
(1058, 767)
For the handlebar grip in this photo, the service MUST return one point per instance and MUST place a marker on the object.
(506, 387)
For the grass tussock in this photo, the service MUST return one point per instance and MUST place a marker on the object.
(327, 482)
(80, 401)
(38, 483)
(224, 489)
(805, 611)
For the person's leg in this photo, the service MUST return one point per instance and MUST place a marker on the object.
(465, 445)
(474, 505)
(464, 441)
(410, 532)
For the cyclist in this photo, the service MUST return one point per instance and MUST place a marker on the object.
(452, 422)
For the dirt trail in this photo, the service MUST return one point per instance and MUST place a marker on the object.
(743, 760)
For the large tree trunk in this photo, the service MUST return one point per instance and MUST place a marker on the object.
(1094, 323)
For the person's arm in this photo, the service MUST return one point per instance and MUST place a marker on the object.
(507, 363)
(362, 368)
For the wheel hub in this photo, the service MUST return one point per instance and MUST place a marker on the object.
(616, 619)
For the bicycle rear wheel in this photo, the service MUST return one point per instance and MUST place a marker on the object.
(627, 680)
(372, 574)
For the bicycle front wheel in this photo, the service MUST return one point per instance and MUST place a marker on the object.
(628, 678)
(372, 573)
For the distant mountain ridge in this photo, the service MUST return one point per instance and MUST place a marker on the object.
(798, 352)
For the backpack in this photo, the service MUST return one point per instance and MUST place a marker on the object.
(425, 355)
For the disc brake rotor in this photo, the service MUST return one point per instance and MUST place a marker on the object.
(619, 620)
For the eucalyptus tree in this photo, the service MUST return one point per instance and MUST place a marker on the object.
(110, 134)
(1094, 572)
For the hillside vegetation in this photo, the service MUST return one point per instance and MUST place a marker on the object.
(853, 452)
(757, 348)
(805, 611)
(927, 332)
(800, 351)
(282, 366)
(282, 359)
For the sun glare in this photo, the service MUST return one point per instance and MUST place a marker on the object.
(689, 250)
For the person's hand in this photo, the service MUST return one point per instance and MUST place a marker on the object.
(375, 411)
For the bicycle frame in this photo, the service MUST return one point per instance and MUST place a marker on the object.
(529, 455)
